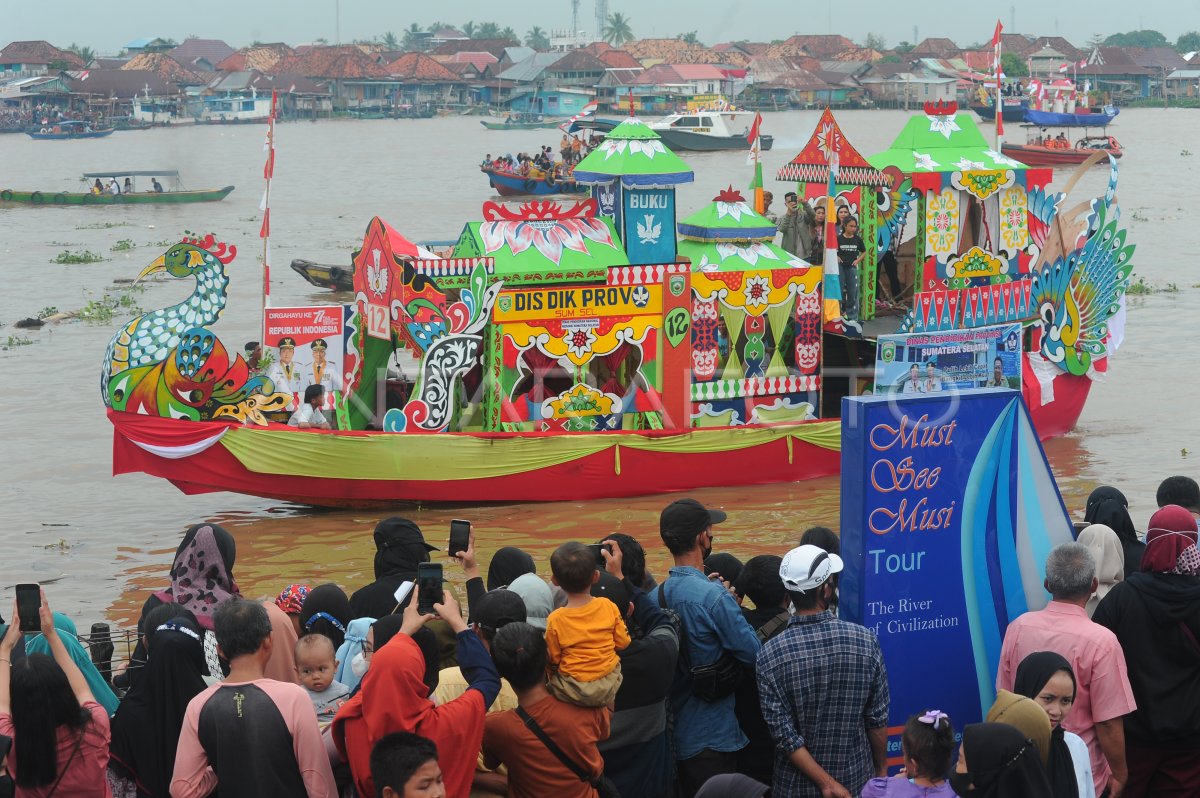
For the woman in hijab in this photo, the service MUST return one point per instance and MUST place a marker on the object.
(1024, 714)
(282, 665)
(725, 564)
(1108, 506)
(351, 662)
(145, 730)
(201, 580)
(399, 549)
(507, 564)
(1047, 678)
(69, 636)
(1109, 555)
(327, 612)
(394, 697)
(997, 760)
(1155, 615)
(291, 601)
(539, 602)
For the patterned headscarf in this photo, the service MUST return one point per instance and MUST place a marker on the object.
(201, 577)
(291, 598)
(1171, 543)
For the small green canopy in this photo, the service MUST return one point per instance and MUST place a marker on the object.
(742, 256)
(727, 218)
(552, 250)
(635, 154)
(942, 143)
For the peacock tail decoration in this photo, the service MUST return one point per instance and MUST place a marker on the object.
(168, 363)
(1084, 271)
(894, 205)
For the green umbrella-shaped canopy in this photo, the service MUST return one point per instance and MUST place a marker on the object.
(942, 143)
(635, 154)
(727, 218)
(738, 256)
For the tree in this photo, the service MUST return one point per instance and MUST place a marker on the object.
(469, 29)
(617, 30)
(1095, 41)
(508, 33)
(321, 40)
(904, 47)
(875, 41)
(1013, 65)
(1188, 42)
(390, 41)
(688, 38)
(1138, 38)
(537, 39)
(86, 54)
(487, 30)
(415, 38)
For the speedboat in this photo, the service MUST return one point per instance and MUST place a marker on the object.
(709, 130)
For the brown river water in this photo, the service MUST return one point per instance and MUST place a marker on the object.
(104, 541)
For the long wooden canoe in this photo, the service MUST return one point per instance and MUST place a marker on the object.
(88, 198)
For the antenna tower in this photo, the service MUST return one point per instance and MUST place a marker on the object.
(601, 18)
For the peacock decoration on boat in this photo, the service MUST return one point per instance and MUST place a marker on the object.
(169, 363)
(1080, 275)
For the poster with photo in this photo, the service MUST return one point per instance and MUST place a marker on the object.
(307, 348)
(984, 357)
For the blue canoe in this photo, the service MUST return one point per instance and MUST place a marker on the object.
(510, 185)
(1048, 119)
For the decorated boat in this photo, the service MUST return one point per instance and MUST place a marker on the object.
(324, 275)
(601, 348)
(705, 131)
(537, 182)
(175, 193)
(1061, 119)
(69, 129)
(1012, 109)
(518, 121)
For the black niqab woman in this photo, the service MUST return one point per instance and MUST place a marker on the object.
(1107, 505)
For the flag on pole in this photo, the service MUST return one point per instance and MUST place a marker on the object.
(1064, 67)
(997, 61)
(756, 183)
(833, 280)
(587, 110)
(754, 130)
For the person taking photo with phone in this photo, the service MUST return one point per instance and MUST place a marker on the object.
(60, 734)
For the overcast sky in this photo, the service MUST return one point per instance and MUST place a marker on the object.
(106, 26)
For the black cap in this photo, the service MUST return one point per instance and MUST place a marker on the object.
(613, 589)
(396, 531)
(498, 607)
(287, 340)
(319, 343)
(684, 519)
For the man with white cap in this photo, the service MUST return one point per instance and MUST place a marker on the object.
(823, 689)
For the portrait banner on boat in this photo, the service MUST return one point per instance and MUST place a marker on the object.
(984, 357)
(307, 346)
(948, 511)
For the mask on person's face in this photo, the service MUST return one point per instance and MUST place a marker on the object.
(359, 665)
(706, 548)
(961, 783)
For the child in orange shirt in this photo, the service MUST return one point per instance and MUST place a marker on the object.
(582, 638)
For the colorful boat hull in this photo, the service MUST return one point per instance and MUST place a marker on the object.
(545, 125)
(140, 198)
(1037, 155)
(1010, 112)
(321, 275)
(363, 469)
(90, 134)
(510, 185)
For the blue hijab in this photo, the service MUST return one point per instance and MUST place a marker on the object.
(356, 635)
(37, 644)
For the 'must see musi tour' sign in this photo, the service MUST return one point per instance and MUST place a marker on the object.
(948, 512)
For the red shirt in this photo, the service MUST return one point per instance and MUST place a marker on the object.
(85, 777)
(1102, 689)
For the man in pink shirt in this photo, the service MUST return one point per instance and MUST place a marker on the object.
(250, 736)
(1103, 695)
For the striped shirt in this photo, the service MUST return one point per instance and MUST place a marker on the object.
(822, 685)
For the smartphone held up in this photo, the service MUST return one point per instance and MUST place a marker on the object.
(429, 587)
(29, 605)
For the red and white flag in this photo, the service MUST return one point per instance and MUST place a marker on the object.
(1064, 67)
(84, 74)
(754, 129)
(587, 110)
(1082, 64)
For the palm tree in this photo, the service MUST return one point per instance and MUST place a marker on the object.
(618, 30)
(508, 33)
(390, 41)
(414, 38)
(537, 39)
(487, 30)
(86, 54)
(689, 38)
(469, 29)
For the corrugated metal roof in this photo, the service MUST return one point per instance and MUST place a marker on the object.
(531, 68)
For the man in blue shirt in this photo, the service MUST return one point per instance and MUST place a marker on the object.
(823, 689)
(707, 736)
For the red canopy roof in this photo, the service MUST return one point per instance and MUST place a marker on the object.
(812, 164)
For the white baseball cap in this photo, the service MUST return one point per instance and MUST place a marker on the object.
(806, 567)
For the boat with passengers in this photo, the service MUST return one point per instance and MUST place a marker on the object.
(141, 181)
(68, 129)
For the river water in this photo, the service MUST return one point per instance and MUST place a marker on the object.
(105, 541)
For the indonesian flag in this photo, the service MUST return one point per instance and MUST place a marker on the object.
(996, 35)
(1064, 67)
(265, 230)
(752, 137)
(587, 110)
(1082, 64)
(84, 75)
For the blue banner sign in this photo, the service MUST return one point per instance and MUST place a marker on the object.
(949, 509)
(648, 224)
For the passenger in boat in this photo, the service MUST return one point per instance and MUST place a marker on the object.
(843, 213)
(97, 187)
(851, 251)
(768, 198)
(564, 148)
(308, 415)
(816, 254)
(796, 226)
(113, 187)
(128, 188)
(156, 186)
